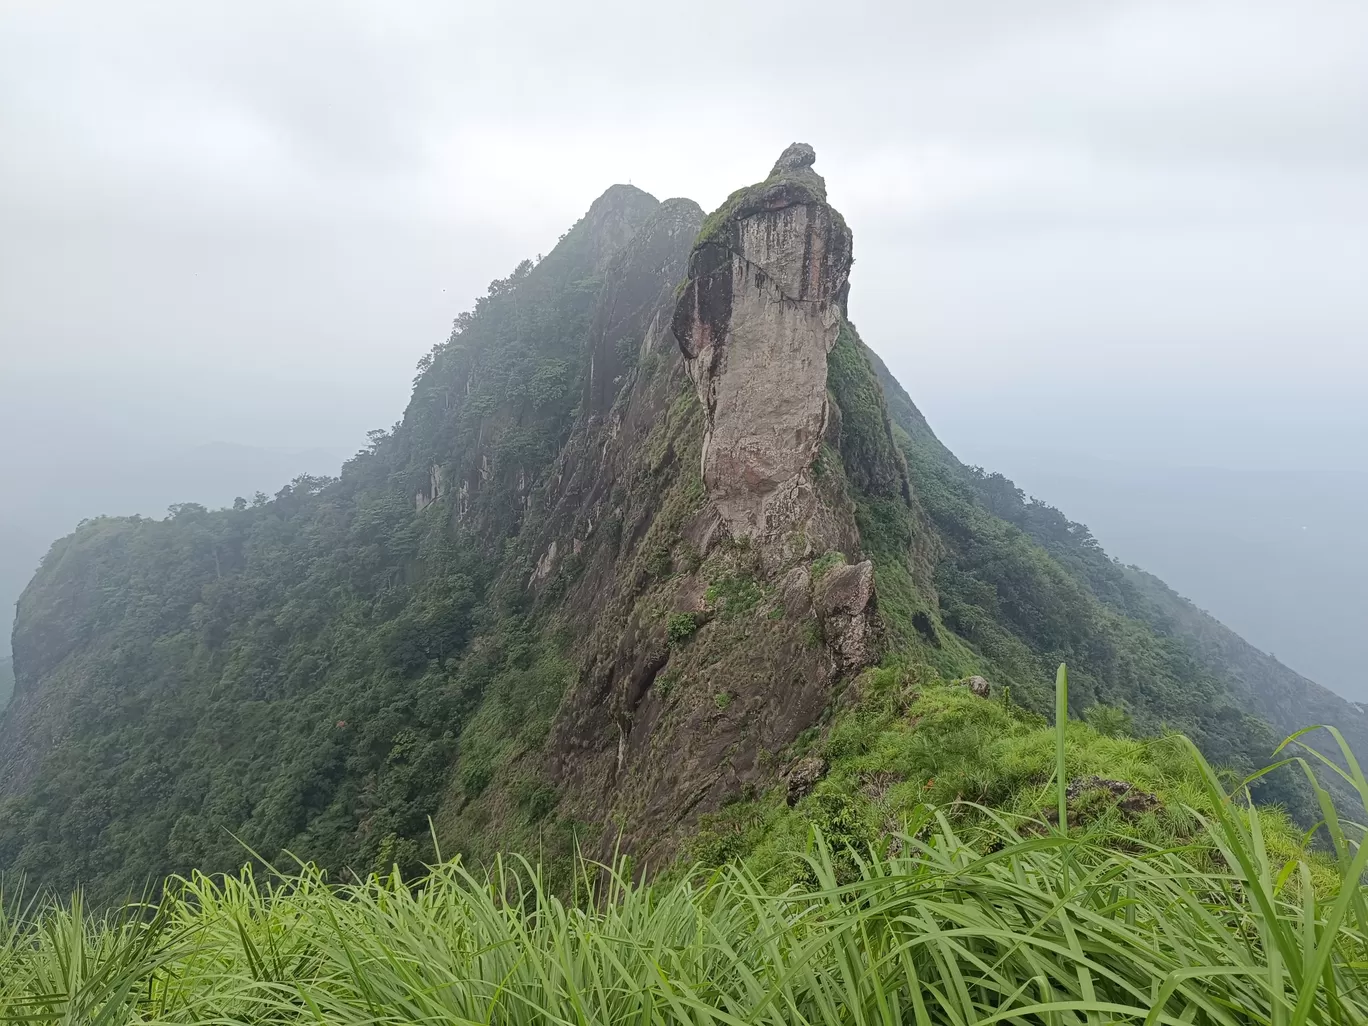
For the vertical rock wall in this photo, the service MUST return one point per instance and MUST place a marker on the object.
(756, 318)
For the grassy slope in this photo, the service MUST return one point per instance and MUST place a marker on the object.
(1019, 922)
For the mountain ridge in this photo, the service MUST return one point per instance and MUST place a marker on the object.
(585, 592)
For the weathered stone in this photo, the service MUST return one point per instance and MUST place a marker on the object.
(435, 490)
(545, 564)
(852, 639)
(843, 599)
(845, 589)
(796, 590)
(978, 686)
(803, 776)
(795, 157)
(757, 316)
(1092, 796)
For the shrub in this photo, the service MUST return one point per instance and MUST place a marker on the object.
(824, 563)
(734, 595)
(679, 627)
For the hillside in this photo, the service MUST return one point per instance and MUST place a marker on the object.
(121, 478)
(653, 512)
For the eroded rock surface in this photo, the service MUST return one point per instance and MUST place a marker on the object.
(756, 318)
(802, 777)
(843, 599)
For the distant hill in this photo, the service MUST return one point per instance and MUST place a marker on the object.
(1275, 552)
(59, 494)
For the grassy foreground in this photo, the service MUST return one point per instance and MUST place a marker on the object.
(1017, 923)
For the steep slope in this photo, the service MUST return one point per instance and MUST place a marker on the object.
(651, 510)
(1253, 680)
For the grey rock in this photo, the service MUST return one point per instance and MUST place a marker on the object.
(845, 589)
(796, 591)
(796, 157)
(757, 316)
(803, 776)
(843, 599)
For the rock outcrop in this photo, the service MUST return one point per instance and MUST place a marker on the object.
(843, 600)
(756, 317)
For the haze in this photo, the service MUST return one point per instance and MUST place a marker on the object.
(1115, 250)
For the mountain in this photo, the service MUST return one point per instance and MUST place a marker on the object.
(654, 519)
(6, 681)
(1268, 550)
(114, 479)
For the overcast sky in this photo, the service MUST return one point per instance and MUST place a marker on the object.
(246, 221)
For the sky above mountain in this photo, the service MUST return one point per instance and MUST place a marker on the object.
(1124, 230)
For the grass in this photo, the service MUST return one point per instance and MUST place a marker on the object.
(906, 737)
(1042, 924)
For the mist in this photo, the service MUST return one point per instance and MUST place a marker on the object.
(1113, 250)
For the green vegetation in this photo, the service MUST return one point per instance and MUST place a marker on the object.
(679, 627)
(354, 667)
(734, 595)
(303, 673)
(1015, 920)
(910, 738)
(975, 579)
(472, 642)
(825, 562)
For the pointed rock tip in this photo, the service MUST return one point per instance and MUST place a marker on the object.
(795, 157)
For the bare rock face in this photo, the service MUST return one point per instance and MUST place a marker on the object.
(842, 598)
(756, 318)
(845, 590)
(795, 158)
(796, 589)
(802, 777)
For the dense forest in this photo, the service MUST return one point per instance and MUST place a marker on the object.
(485, 633)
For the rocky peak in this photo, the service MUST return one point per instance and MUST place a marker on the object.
(614, 218)
(795, 157)
(757, 315)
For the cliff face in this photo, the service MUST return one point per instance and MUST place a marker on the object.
(759, 312)
(652, 509)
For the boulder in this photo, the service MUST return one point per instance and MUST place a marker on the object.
(794, 158)
(803, 776)
(845, 590)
